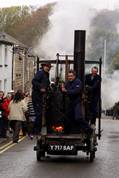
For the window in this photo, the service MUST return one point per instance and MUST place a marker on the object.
(18, 75)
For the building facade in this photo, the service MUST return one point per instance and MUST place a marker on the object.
(23, 70)
(5, 66)
(16, 67)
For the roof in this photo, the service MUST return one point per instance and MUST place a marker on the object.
(5, 38)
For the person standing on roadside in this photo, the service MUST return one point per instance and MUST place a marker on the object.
(5, 114)
(17, 108)
(1, 113)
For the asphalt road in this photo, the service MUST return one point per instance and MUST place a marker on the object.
(19, 161)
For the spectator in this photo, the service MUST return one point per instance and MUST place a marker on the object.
(116, 111)
(5, 114)
(24, 123)
(1, 112)
(17, 109)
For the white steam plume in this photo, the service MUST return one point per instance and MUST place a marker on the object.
(68, 16)
(110, 90)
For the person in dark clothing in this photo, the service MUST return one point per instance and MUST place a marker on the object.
(73, 88)
(40, 85)
(115, 111)
(1, 113)
(92, 83)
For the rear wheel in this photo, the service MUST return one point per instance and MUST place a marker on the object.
(92, 156)
(40, 153)
(92, 150)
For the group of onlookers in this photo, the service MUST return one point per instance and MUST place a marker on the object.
(73, 89)
(4, 112)
(20, 111)
(16, 114)
(113, 111)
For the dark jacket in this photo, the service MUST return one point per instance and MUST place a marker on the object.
(94, 83)
(5, 105)
(40, 80)
(1, 109)
(74, 90)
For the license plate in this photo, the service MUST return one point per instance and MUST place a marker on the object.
(61, 148)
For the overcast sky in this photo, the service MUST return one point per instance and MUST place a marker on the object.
(99, 4)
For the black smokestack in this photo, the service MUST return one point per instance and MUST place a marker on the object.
(79, 54)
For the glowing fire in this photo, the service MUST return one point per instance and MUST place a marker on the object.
(58, 128)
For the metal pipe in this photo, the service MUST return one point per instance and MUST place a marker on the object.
(100, 103)
(79, 54)
(57, 66)
(38, 63)
(12, 67)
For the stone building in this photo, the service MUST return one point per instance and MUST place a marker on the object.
(16, 66)
(23, 69)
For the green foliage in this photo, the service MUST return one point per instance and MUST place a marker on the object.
(34, 26)
(11, 17)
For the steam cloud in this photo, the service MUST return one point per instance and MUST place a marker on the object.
(67, 17)
(110, 90)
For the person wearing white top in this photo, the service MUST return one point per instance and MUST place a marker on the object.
(17, 109)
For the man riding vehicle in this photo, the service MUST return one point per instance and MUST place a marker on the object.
(40, 85)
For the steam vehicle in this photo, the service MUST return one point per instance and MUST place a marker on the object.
(54, 140)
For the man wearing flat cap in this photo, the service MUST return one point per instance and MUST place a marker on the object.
(40, 85)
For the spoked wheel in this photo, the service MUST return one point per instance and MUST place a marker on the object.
(40, 153)
(92, 156)
(92, 150)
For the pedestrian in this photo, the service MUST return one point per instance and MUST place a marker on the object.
(93, 82)
(73, 88)
(26, 97)
(30, 118)
(1, 113)
(40, 87)
(17, 108)
(116, 111)
(5, 114)
(24, 123)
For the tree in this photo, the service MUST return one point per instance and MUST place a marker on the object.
(26, 24)
(11, 17)
(34, 26)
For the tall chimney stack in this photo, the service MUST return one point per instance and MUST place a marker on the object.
(79, 54)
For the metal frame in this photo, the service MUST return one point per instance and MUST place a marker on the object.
(67, 62)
